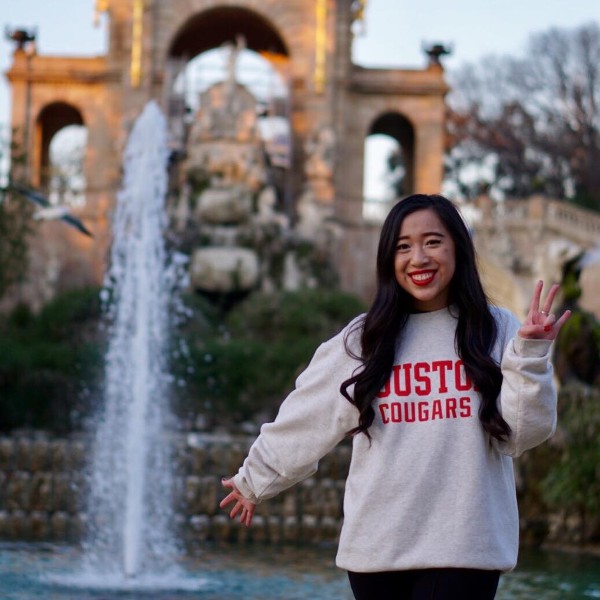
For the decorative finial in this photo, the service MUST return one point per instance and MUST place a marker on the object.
(435, 51)
(21, 37)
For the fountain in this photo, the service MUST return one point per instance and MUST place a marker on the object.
(130, 517)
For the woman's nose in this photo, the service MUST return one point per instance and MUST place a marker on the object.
(419, 256)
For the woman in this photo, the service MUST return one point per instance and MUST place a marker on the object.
(439, 391)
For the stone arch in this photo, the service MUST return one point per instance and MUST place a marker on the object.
(331, 105)
(213, 27)
(401, 129)
(50, 120)
(411, 110)
(216, 26)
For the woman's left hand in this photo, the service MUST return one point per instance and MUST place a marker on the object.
(541, 323)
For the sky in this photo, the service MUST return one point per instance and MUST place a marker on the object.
(395, 30)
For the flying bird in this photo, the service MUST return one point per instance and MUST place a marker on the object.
(49, 212)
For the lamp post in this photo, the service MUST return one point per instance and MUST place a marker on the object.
(436, 51)
(21, 37)
(24, 40)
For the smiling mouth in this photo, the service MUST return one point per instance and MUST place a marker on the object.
(422, 278)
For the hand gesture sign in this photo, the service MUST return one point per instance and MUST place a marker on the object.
(541, 323)
(241, 504)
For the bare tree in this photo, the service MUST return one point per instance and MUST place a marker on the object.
(533, 122)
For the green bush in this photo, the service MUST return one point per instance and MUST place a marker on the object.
(246, 363)
(231, 366)
(573, 483)
(46, 361)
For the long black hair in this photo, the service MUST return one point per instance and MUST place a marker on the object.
(382, 326)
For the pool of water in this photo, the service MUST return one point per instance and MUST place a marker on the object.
(50, 572)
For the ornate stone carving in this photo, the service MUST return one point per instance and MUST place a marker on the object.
(221, 269)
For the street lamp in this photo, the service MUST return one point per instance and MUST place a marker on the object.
(435, 51)
(21, 37)
(24, 40)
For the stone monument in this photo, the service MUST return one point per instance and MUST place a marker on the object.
(334, 105)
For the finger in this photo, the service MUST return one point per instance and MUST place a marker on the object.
(249, 515)
(549, 322)
(235, 510)
(562, 320)
(535, 299)
(550, 298)
(228, 483)
(530, 331)
(229, 498)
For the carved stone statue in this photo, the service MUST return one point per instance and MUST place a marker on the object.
(320, 152)
(231, 82)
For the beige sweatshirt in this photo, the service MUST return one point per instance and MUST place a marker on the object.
(430, 490)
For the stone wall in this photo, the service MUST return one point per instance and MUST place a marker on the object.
(43, 488)
(40, 484)
(42, 492)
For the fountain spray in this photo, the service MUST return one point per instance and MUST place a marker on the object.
(129, 508)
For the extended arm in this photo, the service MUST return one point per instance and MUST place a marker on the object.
(313, 419)
(528, 395)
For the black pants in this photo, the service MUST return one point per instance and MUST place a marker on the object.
(425, 584)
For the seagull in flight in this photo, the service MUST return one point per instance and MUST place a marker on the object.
(49, 212)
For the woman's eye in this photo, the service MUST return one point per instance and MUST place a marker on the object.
(402, 247)
(434, 242)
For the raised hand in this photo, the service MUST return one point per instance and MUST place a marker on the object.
(541, 323)
(242, 505)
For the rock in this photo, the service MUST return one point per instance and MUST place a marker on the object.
(40, 491)
(210, 491)
(290, 529)
(17, 490)
(221, 528)
(59, 525)
(40, 458)
(59, 450)
(275, 529)
(19, 526)
(292, 274)
(64, 499)
(40, 525)
(259, 532)
(330, 529)
(200, 526)
(197, 458)
(310, 529)
(219, 269)
(224, 205)
(7, 453)
(192, 494)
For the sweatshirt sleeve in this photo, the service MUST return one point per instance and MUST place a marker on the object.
(311, 421)
(528, 396)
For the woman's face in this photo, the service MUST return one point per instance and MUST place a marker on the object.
(425, 260)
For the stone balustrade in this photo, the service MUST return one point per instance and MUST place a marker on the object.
(555, 216)
(582, 226)
(43, 487)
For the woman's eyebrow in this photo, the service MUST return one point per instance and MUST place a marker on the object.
(437, 233)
